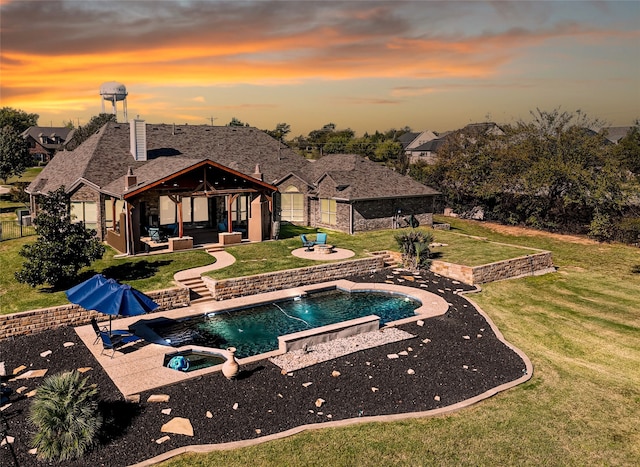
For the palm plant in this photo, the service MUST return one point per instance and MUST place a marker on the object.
(65, 414)
(414, 246)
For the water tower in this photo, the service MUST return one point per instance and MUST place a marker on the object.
(114, 92)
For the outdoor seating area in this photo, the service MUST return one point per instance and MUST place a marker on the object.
(309, 244)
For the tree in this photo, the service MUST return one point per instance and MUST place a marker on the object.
(19, 120)
(82, 133)
(336, 144)
(627, 151)
(388, 150)
(62, 248)
(14, 153)
(552, 172)
(361, 146)
(281, 130)
(237, 122)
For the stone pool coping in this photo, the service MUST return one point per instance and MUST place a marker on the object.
(138, 366)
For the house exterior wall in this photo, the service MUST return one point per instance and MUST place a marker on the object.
(88, 194)
(374, 214)
(381, 214)
(302, 187)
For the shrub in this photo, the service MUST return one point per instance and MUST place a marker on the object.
(414, 246)
(629, 230)
(65, 414)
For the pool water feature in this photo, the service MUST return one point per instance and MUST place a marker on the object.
(255, 330)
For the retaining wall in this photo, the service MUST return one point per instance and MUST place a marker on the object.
(35, 321)
(529, 265)
(268, 282)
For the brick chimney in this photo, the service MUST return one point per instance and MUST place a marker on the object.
(131, 180)
(257, 174)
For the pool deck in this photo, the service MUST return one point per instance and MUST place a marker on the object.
(138, 366)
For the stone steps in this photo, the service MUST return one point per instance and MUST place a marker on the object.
(198, 289)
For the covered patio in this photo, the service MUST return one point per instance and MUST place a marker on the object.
(200, 204)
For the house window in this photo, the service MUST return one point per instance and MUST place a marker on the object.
(240, 210)
(292, 205)
(167, 211)
(108, 211)
(328, 209)
(193, 210)
(86, 212)
(200, 209)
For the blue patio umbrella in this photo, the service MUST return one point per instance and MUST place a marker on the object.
(110, 297)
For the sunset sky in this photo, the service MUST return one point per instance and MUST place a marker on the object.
(361, 65)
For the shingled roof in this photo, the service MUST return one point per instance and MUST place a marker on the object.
(357, 178)
(104, 159)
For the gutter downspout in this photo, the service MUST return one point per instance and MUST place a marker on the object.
(350, 219)
(127, 229)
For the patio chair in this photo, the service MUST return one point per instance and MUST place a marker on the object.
(321, 239)
(308, 244)
(98, 330)
(156, 236)
(114, 342)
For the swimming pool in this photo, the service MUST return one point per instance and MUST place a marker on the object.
(255, 330)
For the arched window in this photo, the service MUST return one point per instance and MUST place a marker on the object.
(292, 205)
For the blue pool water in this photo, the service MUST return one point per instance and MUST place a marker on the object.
(255, 330)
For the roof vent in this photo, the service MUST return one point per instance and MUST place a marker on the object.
(138, 139)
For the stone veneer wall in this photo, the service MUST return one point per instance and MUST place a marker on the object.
(35, 321)
(272, 281)
(530, 265)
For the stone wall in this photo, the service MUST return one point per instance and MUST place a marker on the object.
(35, 321)
(272, 281)
(382, 214)
(530, 265)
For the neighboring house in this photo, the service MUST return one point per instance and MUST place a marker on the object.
(425, 148)
(44, 142)
(406, 138)
(420, 139)
(615, 133)
(129, 179)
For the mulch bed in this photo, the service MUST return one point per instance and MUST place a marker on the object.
(462, 359)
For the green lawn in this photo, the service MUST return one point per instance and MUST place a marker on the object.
(581, 329)
(145, 273)
(28, 176)
(156, 271)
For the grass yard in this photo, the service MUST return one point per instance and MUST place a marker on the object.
(28, 176)
(155, 272)
(579, 326)
(145, 273)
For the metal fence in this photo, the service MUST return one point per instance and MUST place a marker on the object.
(12, 229)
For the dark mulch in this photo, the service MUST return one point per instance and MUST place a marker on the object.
(450, 366)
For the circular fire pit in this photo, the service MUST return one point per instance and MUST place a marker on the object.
(323, 249)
